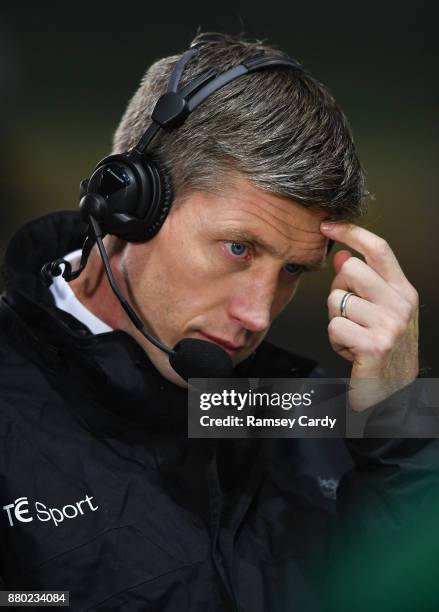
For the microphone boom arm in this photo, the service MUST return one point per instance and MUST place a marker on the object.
(134, 318)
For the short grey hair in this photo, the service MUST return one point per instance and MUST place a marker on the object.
(281, 128)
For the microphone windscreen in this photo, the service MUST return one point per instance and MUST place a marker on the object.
(195, 358)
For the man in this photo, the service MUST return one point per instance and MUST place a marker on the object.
(104, 495)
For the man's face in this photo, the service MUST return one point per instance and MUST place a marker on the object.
(221, 269)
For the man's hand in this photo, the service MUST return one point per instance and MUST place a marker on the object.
(379, 333)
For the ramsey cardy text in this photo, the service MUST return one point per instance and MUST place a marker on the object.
(252, 421)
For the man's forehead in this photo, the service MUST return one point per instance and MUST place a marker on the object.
(278, 224)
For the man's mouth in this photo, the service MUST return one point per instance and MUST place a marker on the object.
(227, 345)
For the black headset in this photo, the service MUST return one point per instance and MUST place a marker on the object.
(129, 195)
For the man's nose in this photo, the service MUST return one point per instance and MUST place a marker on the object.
(252, 303)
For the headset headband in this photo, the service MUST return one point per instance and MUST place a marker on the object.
(173, 107)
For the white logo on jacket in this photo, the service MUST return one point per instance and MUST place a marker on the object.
(20, 511)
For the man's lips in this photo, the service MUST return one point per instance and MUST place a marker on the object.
(226, 344)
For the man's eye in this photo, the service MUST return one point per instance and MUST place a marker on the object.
(237, 249)
(293, 268)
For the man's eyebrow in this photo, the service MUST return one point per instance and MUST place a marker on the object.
(244, 236)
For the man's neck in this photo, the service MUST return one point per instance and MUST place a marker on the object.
(93, 290)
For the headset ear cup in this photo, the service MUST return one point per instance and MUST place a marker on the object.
(157, 208)
(136, 192)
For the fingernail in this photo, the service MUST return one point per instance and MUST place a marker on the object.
(327, 226)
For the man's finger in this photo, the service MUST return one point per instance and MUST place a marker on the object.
(339, 258)
(356, 276)
(348, 336)
(359, 311)
(375, 249)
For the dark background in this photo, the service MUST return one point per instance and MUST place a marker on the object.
(67, 71)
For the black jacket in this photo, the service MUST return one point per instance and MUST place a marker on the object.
(102, 493)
